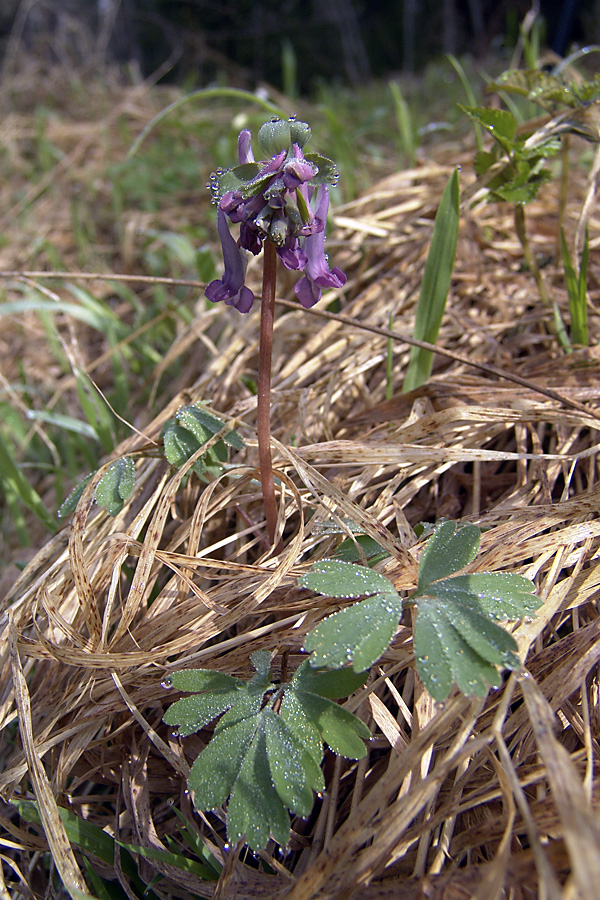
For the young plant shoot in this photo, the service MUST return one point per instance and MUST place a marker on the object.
(281, 206)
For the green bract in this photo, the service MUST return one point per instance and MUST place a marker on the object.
(280, 134)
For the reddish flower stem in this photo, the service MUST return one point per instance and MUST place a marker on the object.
(267, 315)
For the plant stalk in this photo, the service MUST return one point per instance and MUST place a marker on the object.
(267, 316)
(529, 255)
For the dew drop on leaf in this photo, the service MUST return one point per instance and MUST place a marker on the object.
(167, 683)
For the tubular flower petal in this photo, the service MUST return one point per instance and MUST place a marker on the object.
(317, 273)
(231, 287)
(245, 154)
(284, 200)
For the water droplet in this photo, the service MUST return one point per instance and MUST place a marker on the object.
(275, 119)
(293, 117)
(167, 683)
(220, 171)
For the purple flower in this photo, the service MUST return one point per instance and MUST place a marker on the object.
(231, 287)
(317, 273)
(283, 199)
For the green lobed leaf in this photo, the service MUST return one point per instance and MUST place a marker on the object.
(190, 714)
(342, 731)
(217, 767)
(292, 712)
(457, 642)
(444, 657)
(500, 123)
(447, 551)
(193, 416)
(189, 420)
(335, 578)
(201, 680)
(256, 811)
(286, 763)
(179, 444)
(261, 663)
(499, 595)
(483, 160)
(358, 634)
(116, 485)
(237, 178)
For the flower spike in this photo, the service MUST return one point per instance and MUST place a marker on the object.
(283, 200)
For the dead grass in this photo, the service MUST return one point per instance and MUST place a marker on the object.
(469, 799)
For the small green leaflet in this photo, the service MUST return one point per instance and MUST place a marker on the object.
(192, 427)
(262, 761)
(447, 551)
(68, 505)
(116, 485)
(360, 633)
(456, 637)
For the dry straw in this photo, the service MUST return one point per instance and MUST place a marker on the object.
(474, 800)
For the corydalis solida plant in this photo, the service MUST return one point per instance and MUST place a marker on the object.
(281, 206)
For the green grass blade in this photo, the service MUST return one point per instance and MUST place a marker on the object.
(470, 95)
(435, 285)
(576, 289)
(405, 124)
(204, 94)
(12, 479)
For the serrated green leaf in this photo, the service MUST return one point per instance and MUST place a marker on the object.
(342, 731)
(255, 811)
(286, 764)
(215, 770)
(335, 578)
(500, 123)
(357, 635)
(499, 595)
(116, 485)
(69, 504)
(447, 551)
(483, 161)
(349, 552)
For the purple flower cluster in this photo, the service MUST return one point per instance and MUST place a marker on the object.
(283, 199)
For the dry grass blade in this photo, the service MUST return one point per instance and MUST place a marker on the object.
(579, 821)
(58, 842)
